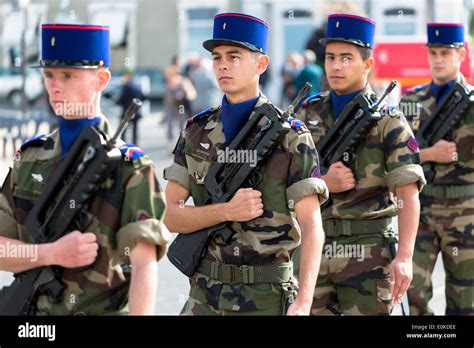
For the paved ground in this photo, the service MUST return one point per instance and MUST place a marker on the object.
(173, 286)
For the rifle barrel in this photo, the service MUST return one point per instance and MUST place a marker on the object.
(389, 89)
(128, 117)
(301, 94)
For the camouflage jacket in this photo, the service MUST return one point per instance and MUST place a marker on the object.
(123, 215)
(383, 160)
(422, 103)
(289, 174)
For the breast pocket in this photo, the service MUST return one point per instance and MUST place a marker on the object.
(198, 166)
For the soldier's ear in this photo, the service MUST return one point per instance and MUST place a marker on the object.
(103, 78)
(263, 61)
(369, 63)
(462, 54)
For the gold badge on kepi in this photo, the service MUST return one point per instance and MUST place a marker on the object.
(337, 24)
(224, 26)
(53, 41)
(437, 33)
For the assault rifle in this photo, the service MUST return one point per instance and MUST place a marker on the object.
(443, 121)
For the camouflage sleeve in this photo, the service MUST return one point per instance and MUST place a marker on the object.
(301, 114)
(178, 171)
(8, 226)
(142, 213)
(410, 108)
(401, 153)
(304, 177)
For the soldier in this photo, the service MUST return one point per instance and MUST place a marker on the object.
(446, 202)
(357, 275)
(252, 272)
(124, 232)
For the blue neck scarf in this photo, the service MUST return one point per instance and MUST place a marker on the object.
(234, 116)
(339, 101)
(439, 91)
(69, 130)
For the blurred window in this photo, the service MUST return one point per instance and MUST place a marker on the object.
(399, 21)
(298, 26)
(199, 28)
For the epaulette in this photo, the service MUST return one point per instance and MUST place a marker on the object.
(417, 88)
(131, 152)
(201, 115)
(312, 98)
(36, 141)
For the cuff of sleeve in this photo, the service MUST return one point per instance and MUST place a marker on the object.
(178, 173)
(307, 187)
(150, 230)
(412, 173)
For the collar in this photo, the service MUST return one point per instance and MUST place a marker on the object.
(339, 101)
(69, 130)
(234, 116)
(439, 91)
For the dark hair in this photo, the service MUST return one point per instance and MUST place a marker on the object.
(365, 52)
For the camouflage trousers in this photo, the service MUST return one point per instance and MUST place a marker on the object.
(210, 297)
(446, 226)
(354, 277)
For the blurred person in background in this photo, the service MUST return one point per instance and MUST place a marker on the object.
(130, 90)
(179, 94)
(311, 73)
(289, 72)
(203, 80)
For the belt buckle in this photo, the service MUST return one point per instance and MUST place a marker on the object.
(244, 271)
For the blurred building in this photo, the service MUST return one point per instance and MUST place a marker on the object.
(147, 33)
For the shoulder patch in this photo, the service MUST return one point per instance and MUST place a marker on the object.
(35, 142)
(131, 152)
(297, 125)
(417, 88)
(312, 98)
(202, 114)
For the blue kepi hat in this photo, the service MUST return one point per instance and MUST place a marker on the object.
(350, 28)
(238, 29)
(74, 46)
(445, 34)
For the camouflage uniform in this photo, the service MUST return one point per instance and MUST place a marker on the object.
(289, 174)
(447, 218)
(357, 282)
(127, 209)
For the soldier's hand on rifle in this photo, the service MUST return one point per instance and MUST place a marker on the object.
(75, 249)
(339, 178)
(442, 152)
(244, 206)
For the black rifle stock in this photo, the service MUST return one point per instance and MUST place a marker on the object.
(223, 180)
(443, 120)
(91, 160)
